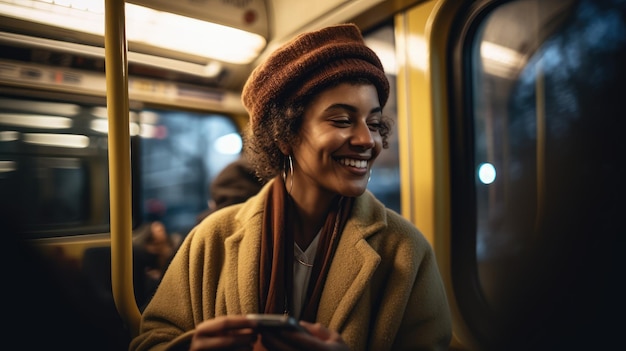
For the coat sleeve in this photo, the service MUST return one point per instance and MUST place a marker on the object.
(169, 319)
(426, 324)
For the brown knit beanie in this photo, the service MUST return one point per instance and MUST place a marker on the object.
(309, 63)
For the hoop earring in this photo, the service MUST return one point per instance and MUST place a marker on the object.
(288, 159)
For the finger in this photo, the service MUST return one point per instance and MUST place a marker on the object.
(323, 338)
(225, 325)
(316, 329)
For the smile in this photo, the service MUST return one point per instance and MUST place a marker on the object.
(353, 162)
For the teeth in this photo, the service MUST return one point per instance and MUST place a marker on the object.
(353, 162)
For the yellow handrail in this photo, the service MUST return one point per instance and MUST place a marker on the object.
(116, 64)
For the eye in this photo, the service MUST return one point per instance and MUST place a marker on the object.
(341, 122)
(374, 125)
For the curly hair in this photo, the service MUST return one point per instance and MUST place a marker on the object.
(262, 143)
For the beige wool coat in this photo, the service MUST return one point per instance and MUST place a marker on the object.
(383, 290)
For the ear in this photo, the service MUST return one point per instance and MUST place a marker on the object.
(284, 148)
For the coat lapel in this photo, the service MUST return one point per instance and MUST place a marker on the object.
(354, 264)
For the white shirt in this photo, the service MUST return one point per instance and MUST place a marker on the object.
(302, 266)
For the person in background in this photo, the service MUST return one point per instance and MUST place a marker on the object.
(314, 243)
(153, 251)
(234, 184)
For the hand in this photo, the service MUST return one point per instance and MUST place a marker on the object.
(224, 333)
(319, 338)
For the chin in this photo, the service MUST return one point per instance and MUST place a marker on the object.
(353, 191)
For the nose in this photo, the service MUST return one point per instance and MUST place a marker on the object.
(362, 136)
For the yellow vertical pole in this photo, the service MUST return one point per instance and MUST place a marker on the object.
(116, 65)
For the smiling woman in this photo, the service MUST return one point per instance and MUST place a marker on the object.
(316, 127)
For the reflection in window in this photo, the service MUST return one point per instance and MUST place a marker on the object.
(548, 115)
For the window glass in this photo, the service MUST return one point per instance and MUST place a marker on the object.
(181, 153)
(54, 165)
(548, 127)
(385, 179)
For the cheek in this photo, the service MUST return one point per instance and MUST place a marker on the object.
(378, 147)
(315, 140)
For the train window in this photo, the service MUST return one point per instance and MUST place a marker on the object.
(540, 169)
(181, 153)
(385, 179)
(54, 164)
(53, 173)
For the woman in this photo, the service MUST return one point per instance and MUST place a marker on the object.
(313, 243)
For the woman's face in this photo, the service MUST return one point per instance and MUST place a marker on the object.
(338, 141)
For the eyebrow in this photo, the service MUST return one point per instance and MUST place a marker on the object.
(351, 108)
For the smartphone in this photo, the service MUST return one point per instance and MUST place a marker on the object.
(270, 322)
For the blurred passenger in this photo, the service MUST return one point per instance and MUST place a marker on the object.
(234, 184)
(314, 243)
(154, 248)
